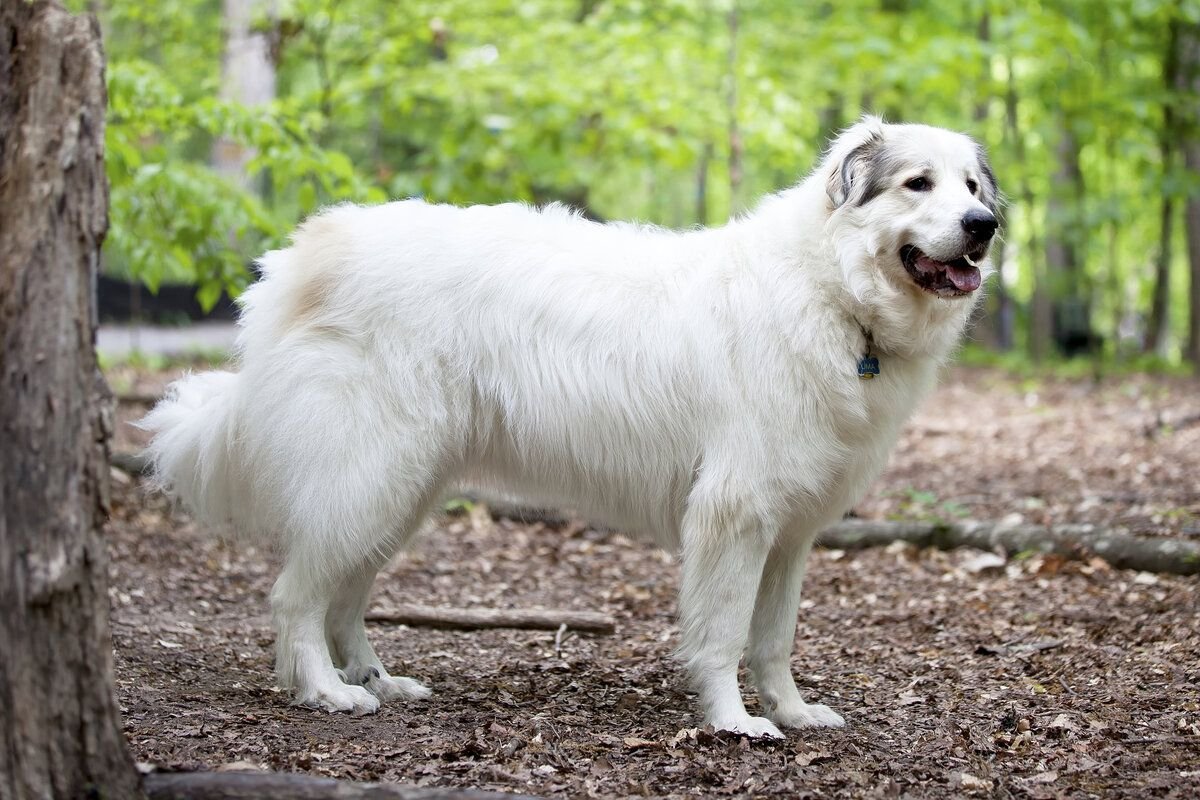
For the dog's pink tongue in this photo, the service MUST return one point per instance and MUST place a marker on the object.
(965, 279)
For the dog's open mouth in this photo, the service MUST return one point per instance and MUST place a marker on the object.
(944, 278)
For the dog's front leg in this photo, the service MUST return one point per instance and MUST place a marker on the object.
(725, 546)
(773, 634)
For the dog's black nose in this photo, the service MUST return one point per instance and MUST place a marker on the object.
(980, 224)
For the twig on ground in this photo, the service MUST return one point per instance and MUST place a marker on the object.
(478, 618)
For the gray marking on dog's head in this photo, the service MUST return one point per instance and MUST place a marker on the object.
(865, 172)
(989, 191)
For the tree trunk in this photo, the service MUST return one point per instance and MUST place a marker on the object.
(702, 184)
(1062, 286)
(1039, 324)
(736, 172)
(990, 324)
(1189, 90)
(61, 735)
(1158, 326)
(247, 77)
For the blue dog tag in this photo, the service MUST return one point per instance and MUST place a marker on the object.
(868, 367)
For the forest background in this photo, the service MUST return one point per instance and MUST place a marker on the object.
(229, 120)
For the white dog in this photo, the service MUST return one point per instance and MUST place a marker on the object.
(702, 388)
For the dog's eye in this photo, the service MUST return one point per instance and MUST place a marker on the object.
(972, 187)
(918, 184)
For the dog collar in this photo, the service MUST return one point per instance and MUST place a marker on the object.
(868, 364)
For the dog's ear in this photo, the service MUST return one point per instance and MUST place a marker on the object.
(989, 192)
(849, 180)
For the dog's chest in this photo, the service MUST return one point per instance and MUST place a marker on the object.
(868, 425)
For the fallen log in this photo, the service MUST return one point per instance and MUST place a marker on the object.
(135, 464)
(138, 399)
(479, 618)
(291, 786)
(1117, 546)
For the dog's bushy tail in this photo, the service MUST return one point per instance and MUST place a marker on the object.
(192, 450)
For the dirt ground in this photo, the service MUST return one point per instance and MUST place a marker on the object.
(1035, 679)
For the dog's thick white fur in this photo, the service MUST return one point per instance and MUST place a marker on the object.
(700, 388)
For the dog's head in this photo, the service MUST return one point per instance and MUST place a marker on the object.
(916, 208)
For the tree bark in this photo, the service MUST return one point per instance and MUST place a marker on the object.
(61, 735)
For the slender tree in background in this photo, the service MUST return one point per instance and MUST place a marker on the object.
(731, 103)
(61, 735)
(247, 77)
(1158, 324)
(1064, 288)
(991, 324)
(1189, 98)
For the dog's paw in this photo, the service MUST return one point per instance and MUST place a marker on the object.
(350, 699)
(807, 716)
(755, 727)
(386, 687)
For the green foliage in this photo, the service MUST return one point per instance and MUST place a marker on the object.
(114, 365)
(1105, 364)
(924, 506)
(623, 105)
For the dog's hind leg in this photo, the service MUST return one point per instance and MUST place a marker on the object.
(773, 634)
(351, 649)
(725, 545)
(300, 603)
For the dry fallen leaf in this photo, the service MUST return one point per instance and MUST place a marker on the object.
(972, 783)
(812, 757)
(1063, 722)
(984, 562)
(1042, 777)
(635, 742)
(688, 734)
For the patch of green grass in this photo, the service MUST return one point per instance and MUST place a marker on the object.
(1020, 365)
(199, 358)
(924, 506)
(458, 505)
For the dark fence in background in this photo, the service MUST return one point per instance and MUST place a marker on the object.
(120, 301)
